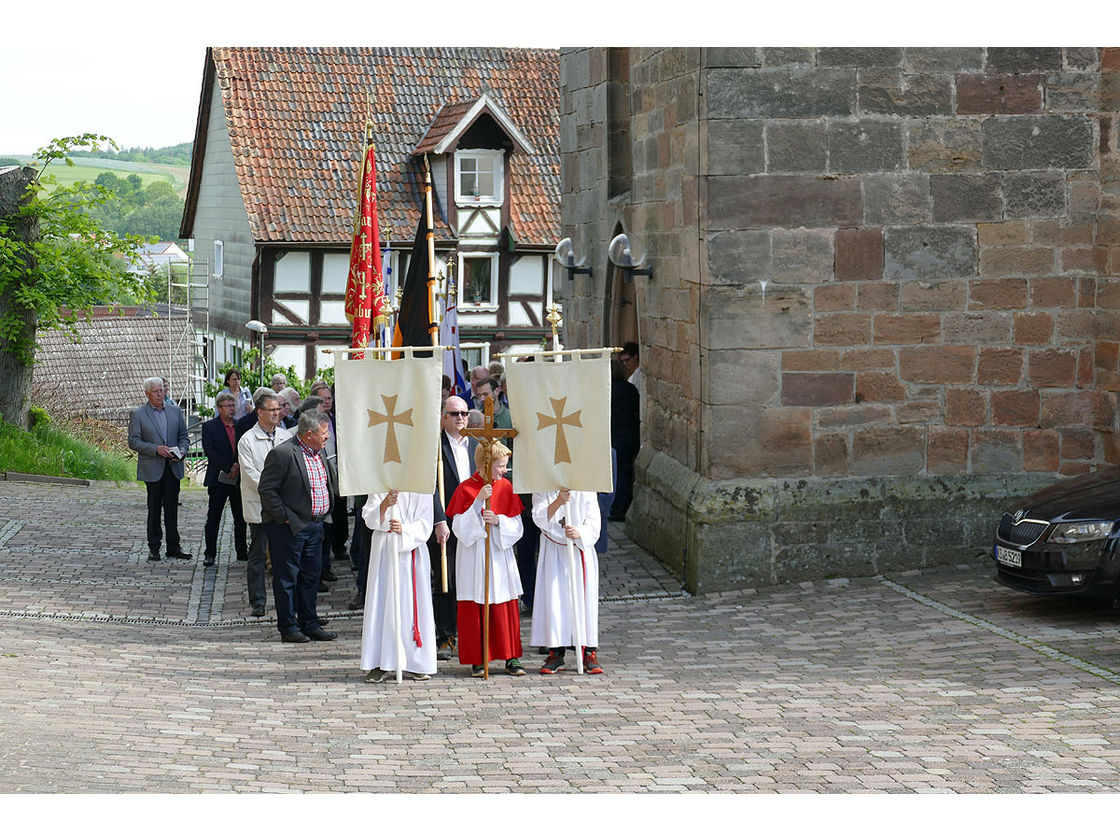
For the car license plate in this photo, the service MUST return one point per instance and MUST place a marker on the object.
(1009, 556)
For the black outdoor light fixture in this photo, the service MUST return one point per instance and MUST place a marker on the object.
(566, 256)
(619, 253)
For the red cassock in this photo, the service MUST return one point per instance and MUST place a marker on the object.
(505, 619)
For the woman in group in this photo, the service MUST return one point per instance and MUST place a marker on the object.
(242, 396)
(401, 524)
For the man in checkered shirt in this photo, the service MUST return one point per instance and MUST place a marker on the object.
(297, 486)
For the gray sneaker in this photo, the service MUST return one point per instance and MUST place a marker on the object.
(377, 675)
(412, 675)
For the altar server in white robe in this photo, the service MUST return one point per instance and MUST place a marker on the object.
(380, 648)
(553, 618)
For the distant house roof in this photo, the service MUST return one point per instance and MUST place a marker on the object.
(296, 118)
(103, 374)
(164, 251)
(149, 256)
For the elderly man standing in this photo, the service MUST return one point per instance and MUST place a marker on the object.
(289, 402)
(458, 464)
(296, 488)
(158, 434)
(222, 472)
(252, 450)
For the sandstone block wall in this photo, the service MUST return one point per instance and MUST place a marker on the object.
(868, 263)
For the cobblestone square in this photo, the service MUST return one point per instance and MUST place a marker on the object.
(124, 676)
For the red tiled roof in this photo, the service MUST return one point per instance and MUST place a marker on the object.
(447, 118)
(296, 117)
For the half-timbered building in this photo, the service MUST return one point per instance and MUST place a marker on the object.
(274, 179)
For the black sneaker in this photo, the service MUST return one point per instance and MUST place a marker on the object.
(446, 650)
(555, 662)
(513, 668)
(477, 671)
(377, 675)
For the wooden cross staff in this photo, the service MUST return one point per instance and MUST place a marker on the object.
(486, 437)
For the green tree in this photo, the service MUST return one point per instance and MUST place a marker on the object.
(56, 260)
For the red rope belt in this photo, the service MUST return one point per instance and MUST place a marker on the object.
(415, 623)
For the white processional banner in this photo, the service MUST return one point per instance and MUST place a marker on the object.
(387, 417)
(562, 413)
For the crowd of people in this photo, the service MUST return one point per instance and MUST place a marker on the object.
(270, 457)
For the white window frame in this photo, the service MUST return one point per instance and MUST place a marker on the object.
(490, 305)
(219, 259)
(497, 158)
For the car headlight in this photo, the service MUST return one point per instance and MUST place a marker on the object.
(1074, 532)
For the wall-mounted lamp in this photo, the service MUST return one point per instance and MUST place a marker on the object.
(619, 253)
(259, 327)
(566, 256)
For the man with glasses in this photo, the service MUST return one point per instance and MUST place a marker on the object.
(631, 364)
(219, 443)
(252, 449)
(458, 464)
(289, 401)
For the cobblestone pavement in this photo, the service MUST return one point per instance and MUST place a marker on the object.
(117, 675)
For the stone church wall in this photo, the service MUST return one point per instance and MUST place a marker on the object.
(884, 299)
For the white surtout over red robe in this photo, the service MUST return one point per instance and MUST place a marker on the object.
(553, 619)
(379, 641)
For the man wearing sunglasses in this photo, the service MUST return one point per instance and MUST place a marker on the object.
(458, 464)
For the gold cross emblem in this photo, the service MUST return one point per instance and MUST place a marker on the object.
(559, 421)
(390, 418)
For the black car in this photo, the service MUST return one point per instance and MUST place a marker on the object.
(1063, 540)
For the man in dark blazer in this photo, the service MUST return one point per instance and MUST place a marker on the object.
(221, 481)
(458, 465)
(157, 433)
(297, 487)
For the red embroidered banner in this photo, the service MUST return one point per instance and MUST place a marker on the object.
(365, 288)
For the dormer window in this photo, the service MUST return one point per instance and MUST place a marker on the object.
(479, 177)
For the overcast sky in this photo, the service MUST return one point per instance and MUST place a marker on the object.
(134, 73)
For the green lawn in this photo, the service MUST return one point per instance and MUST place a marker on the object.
(87, 169)
(47, 451)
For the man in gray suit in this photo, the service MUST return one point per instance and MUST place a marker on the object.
(158, 434)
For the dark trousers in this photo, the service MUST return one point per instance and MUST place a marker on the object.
(364, 536)
(444, 605)
(624, 487)
(356, 540)
(334, 533)
(219, 494)
(526, 551)
(163, 495)
(255, 566)
(296, 565)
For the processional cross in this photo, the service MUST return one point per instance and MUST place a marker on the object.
(486, 437)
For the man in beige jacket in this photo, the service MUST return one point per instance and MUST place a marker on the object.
(252, 449)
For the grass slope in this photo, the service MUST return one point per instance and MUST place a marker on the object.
(48, 451)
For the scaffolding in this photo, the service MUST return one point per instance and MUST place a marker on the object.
(190, 295)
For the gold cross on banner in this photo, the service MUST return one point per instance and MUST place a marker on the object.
(561, 454)
(390, 418)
